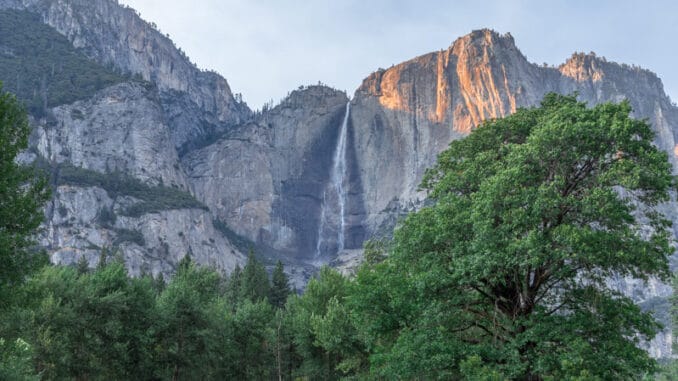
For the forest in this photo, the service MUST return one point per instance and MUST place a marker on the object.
(501, 277)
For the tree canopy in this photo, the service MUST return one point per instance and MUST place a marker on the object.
(505, 274)
(22, 195)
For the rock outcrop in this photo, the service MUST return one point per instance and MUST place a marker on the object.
(115, 141)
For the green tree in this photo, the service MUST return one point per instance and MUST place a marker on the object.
(233, 283)
(506, 272)
(189, 324)
(92, 325)
(254, 338)
(323, 332)
(254, 283)
(16, 361)
(280, 287)
(22, 195)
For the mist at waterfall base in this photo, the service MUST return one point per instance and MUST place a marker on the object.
(332, 227)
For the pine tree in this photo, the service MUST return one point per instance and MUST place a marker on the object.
(255, 284)
(83, 265)
(280, 287)
(233, 286)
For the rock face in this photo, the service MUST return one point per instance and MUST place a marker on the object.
(404, 116)
(153, 243)
(122, 130)
(129, 137)
(265, 178)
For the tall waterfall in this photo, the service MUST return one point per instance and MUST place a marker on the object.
(333, 210)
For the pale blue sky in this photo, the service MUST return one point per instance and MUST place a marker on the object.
(265, 48)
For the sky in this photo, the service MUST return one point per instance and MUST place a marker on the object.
(267, 48)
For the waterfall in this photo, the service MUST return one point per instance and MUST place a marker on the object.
(334, 196)
(339, 175)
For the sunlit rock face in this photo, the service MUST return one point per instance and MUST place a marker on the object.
(410, 112)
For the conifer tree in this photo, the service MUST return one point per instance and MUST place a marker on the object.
(255, 284)
(280, 287)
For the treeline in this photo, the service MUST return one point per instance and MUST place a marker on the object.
(77, 323)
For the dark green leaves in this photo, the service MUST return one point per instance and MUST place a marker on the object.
(505, 275)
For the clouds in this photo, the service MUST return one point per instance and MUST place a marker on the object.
(265, 48)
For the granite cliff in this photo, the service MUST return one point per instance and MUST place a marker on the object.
(113, 154)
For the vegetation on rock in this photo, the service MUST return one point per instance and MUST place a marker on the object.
(42, 67)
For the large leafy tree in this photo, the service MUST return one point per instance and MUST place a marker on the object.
(506, 273)
(22, 195)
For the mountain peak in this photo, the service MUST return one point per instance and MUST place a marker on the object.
(584, 67)
(485, 37)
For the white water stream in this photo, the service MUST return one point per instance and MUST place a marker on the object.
(334, 196)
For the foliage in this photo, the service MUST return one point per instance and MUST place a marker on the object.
(667, 372)
(254, 282)
(323, 332)
(153, 198)
(502, 277)
(91, 325)
(16, 361)
(22, 195)
(186, 331)
(375, 251)
(41, 66)
(532, 213)
(280, 287)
